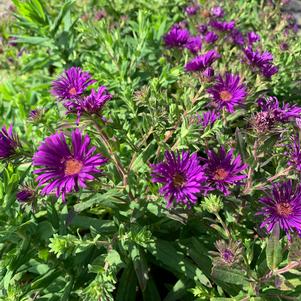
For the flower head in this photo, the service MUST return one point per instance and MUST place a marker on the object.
(269, 70)
(282, 206)
(283, 113)
(217, 12)
(64, 170)
(194, 44)
(8, 143)
(223, 169)
(71, 84)
(202, 28)
(294, 153)
(176, 37)
(192, 10)
(237, 37)
(262, 61)
(182, 177)
(211, 37)
(91, 104)
(228, 254)
(201, 62)
(223, 26)
(208, 118)
(228, 92)
(257, 59)
(253, 37)
(25, 194)
(35, 115)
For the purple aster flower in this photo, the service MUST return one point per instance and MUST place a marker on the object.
(282, 206)
(280, 114)
(253, 37)
(194, 44)
(176, 37)
(91, 104)
(192, 10)
(269, 70)
(294, 153)
(64, 170)
(228, 92)
(202, 28)
(217, 12)
(8, 143)
(211, 37)
(201, 62)
(208, 118)
(25, 194)
(208, 73)
(257, 59)
(222, 26)
(223, 169)
(72, 83)
(237, 37)
(182, 177)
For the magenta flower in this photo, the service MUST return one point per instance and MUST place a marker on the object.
(228, 92)
(25, 194)
(201, 62)
(217, 12)
(237, 37)
(282, 206)
(269, 70)
(71, 84)
(208, 73)
(8, 143)
(202, 28)
(223, 169)
(194, 44)
(253, 37)
(208, 118)
(283, 113)
(211, 37)
(262, 61)
(294, 153)
(176, 37)
(182, 177)
(64, 170)
(91, 104)
(192, 10)
(222, 26)
(257, 59)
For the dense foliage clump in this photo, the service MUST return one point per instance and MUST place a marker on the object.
(150, 151)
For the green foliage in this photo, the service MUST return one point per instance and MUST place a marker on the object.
(115, 239)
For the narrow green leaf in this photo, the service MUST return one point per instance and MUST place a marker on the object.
(274, 249)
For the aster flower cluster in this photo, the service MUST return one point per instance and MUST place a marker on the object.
(70, 89)
(186, 176)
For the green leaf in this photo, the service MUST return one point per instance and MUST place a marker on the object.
(176, 262)
(126, 290)
(229, 275)
(32, 40)
(274, 249)
(140, 266)
(58, 20)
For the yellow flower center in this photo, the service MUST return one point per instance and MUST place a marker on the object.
(179, 180)
(220, 174)
(72, 167)
(225, 95)
(72, 91)
(284, 209)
